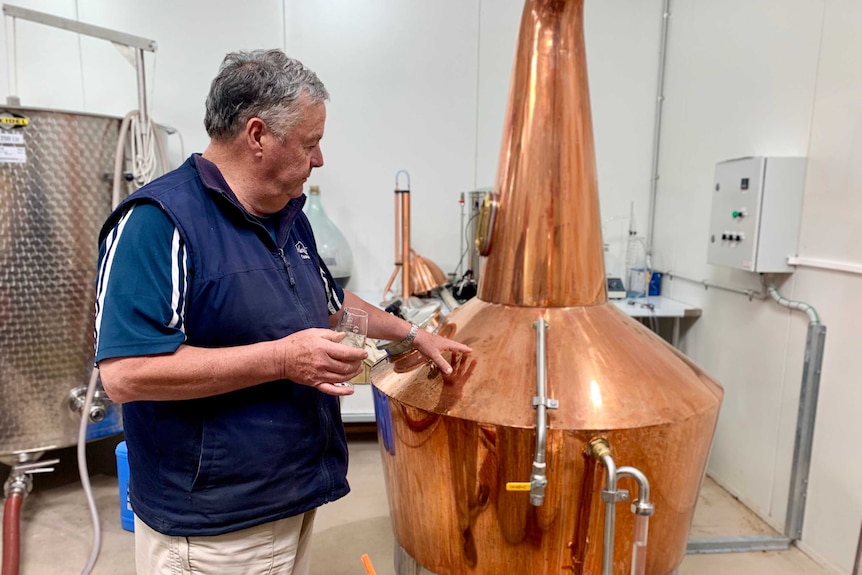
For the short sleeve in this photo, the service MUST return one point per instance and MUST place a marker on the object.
(141, 288)
(334, 292)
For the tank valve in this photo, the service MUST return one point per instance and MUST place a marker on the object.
(536, 486)
(98, 407)
(20, 480)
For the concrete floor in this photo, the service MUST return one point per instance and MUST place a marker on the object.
(57, 534)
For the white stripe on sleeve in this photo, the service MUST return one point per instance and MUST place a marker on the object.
(332, 301)
(105, 271)
(178, 282)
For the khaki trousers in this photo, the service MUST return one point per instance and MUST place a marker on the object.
(276, 548)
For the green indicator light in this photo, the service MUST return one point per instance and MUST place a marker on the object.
(736, 214)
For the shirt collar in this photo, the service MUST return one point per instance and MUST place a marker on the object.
(213, 179)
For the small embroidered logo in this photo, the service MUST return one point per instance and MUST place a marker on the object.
(302, 251)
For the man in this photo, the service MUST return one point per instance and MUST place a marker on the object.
(212, 328)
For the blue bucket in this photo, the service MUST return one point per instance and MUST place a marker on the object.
(127, 517)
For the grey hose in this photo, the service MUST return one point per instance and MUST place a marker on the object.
(85, 474)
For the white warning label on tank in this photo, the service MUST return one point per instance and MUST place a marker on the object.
(13, 154)
(11, 138)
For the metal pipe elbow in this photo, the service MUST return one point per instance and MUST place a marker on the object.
(642, 505)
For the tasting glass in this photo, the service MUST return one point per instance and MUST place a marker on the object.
(353, 322)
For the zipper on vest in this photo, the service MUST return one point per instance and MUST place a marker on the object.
(280, 253)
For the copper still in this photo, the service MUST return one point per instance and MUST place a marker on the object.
(418, 275)
(458, 450)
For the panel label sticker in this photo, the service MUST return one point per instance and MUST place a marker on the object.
(11, 138)
(13, 154)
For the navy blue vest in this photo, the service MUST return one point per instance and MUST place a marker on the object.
(218, 464)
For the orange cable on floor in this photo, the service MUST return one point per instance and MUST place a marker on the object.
(366, 562)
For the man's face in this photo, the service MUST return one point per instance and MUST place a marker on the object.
(288, 164)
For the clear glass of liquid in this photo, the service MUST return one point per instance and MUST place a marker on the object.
(353, 322)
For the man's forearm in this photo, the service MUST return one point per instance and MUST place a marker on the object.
(190, 372)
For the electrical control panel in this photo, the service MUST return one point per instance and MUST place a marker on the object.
(756, 210)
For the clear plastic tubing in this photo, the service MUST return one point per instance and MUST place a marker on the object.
(639, 547)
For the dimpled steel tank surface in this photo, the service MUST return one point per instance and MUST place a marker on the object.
(451, 444)
(52, 204)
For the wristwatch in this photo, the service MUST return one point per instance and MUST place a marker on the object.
(411, 335)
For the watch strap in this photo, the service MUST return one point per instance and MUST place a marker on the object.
(411, 335)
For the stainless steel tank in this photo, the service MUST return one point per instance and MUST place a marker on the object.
(454, 446)
(55, 192)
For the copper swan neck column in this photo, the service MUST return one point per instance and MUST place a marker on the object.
(546, 246)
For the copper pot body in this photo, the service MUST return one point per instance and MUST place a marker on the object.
(450, 444)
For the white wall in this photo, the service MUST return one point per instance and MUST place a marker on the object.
(401, 98)
(771, 77)
(832, 230)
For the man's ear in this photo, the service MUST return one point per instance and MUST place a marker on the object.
(255, 129)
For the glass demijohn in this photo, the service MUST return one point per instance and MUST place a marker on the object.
(331, 243)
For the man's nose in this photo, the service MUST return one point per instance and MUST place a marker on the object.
(317, 158)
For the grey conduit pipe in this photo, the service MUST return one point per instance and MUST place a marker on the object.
(808, 394)
(813, 316)
(656, 144)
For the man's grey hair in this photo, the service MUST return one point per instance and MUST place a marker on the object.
(261, 83)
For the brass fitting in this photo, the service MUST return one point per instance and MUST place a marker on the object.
(599, 447)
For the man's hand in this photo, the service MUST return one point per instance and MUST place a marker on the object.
(314, 357)
(430, 345)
